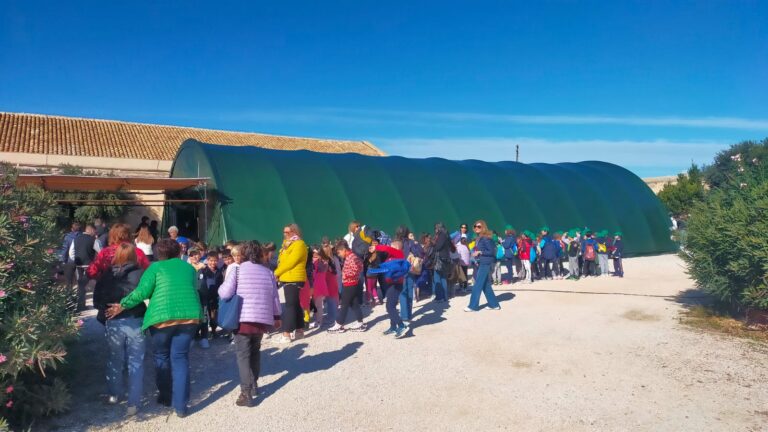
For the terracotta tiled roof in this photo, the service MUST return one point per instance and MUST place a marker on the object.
(54, 135)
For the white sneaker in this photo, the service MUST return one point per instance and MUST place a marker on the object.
(337, 328)
(469, 309)
(112, 400)
(494, 308)
(204, 343)
(313, 325)
(357, 326)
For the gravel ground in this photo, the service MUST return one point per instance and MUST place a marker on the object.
(602, 354)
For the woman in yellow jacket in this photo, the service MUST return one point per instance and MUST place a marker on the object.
(291, 272)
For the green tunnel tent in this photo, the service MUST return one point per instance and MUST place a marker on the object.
(254, 192)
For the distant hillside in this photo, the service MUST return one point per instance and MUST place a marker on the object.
(657, 183)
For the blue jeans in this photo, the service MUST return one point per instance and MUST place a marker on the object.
(406, 298)
(392, 295)
(170, 346)
(439, 286)
(483, 284)
(125, 341)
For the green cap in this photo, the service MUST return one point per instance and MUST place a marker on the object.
(618, 234)
(544, 228)
(508, 228)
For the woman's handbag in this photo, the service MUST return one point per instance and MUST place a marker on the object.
(229, 310)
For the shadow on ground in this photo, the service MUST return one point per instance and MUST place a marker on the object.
(213, 376)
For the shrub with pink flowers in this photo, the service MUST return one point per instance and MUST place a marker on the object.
(37, 317)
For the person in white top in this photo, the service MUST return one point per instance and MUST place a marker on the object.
(145, 241)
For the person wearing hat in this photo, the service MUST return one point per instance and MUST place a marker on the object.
(572, 249)
(549, 254)
(618, 253)
(604, 244)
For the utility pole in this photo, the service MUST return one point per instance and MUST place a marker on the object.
(517, 152)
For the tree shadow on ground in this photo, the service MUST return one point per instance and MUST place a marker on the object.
(692, 297)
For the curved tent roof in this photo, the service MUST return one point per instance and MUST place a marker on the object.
(258, 191)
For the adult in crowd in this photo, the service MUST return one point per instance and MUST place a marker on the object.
(291, 271)
(172, 318)
(84, 249)
(145, 242)
(118, 234)
(102, 232)
(153, 230)
(618, 253)
(441, 252)
(67, 256)
(463, 232)
(413, 252)
(124, 335)
(260, 312)
(392, 282)
(173, 233)
(485, 254)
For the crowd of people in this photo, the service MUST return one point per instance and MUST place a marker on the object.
(172, 288)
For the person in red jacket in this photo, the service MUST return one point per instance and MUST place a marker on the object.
(351, 272)
(119, 233)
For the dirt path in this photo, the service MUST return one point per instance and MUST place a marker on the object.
(609, 357)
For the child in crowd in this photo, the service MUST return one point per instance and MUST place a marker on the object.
(352, 271)
(393, 270)
(572, 251)
(526, 245)
(319, 286)
(603, 250)
(212, 278)
(332, 278)
(589, 255)
(193, 258)
(618, 253)
(508, 244)
(464, 258)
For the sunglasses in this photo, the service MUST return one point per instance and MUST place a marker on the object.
(478, 226)
(286, 232)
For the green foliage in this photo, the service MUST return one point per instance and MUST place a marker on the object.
(87, 213)
(726, 249)
(36, 314)
(681, 197)
(727, 163)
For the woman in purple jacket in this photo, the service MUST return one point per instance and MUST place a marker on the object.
(261, 311)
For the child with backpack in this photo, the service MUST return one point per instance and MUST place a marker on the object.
(508, 244)
(393, 270)
(589, 254)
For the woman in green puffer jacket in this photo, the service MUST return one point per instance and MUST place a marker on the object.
(172, 317)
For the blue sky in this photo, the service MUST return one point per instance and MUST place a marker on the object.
(648, 85)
